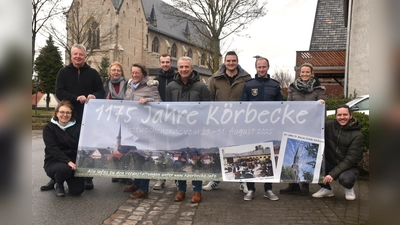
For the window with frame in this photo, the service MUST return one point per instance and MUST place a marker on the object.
(174, 51)
(203, 59)
(94, 36)
(190, 53)
(155, 45)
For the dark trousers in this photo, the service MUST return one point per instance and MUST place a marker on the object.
(346, 179)
(251, 186)
(61, 172)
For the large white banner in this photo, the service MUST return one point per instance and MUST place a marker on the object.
(230, 141)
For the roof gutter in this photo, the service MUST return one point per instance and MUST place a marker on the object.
(346, 70)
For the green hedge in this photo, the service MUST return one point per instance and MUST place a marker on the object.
(331, 102)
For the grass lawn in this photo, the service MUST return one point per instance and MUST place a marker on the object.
(40, 118)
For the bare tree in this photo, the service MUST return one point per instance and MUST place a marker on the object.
(283, 76)
(42, 12)
(216, 20)
(82, 28)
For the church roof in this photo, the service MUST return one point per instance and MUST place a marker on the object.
(167, 25)
(329, 31)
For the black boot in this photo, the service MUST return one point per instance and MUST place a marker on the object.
(304, 189)
(48, 186)
(293, 188)
(89, 183)
(60, 192)
(114, 180)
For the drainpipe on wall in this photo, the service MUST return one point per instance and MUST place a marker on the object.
(346, 70)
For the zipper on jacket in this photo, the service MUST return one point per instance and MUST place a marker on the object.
(337, 146)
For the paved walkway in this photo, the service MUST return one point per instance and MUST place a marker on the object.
(226, 206)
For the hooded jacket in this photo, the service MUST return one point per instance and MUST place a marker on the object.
(164, 78)
(262, 89)
(221, 89)
(343, 145)
(146, 89)
(72, 82)
(193, 90)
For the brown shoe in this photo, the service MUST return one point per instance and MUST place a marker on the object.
(139, 194)
(196, 198)
(180, 196)
(131, 188)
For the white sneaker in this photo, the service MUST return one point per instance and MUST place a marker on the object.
(349, 194)
(210, 186)
(323, 192)
(159, 185)
(269, 194)
(243, 187)
(249, 196)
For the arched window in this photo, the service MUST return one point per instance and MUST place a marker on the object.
(203, 59)
(190, 53)
(174, 51)
(94, 36)
(155, 44)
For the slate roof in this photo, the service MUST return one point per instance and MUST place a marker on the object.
(329, 31)
(165, 24)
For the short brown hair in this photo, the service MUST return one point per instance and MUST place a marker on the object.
(142, 67)
(66, 104)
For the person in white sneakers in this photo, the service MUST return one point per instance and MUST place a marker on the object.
(226, 85)
(343, 151)
(261, 88)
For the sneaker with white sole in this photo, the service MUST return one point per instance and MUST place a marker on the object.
(349, 194)
(269, 194)
(211, 186)
(249, 196)
(159, 185)
(243, 187)
(323, 192)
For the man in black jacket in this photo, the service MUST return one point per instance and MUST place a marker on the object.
(165, 76)
(343, 151)
(78, 83)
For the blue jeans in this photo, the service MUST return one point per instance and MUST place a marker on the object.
(196, 185)
(142, 184)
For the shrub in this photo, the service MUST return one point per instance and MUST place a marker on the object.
(363, 166)
(331, 102)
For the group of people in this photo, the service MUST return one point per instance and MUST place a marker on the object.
(77, 83)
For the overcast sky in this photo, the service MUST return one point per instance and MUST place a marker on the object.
(285, 29)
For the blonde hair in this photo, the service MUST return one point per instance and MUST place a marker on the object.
(116, 64)
(307, 65)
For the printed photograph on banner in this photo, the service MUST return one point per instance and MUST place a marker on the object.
(253, 162)
(300, 158)
(127, 161)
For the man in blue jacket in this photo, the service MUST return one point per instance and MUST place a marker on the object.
(261, 88)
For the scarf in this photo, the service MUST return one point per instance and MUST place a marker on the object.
(122, 87)
(306, 86)
(70, 124)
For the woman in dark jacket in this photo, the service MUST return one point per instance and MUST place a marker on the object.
(61, 137)
(115, 85)
(305, 88)
(114, 88)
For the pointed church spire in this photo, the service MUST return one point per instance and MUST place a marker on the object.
(153, 17)
(187, 30)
